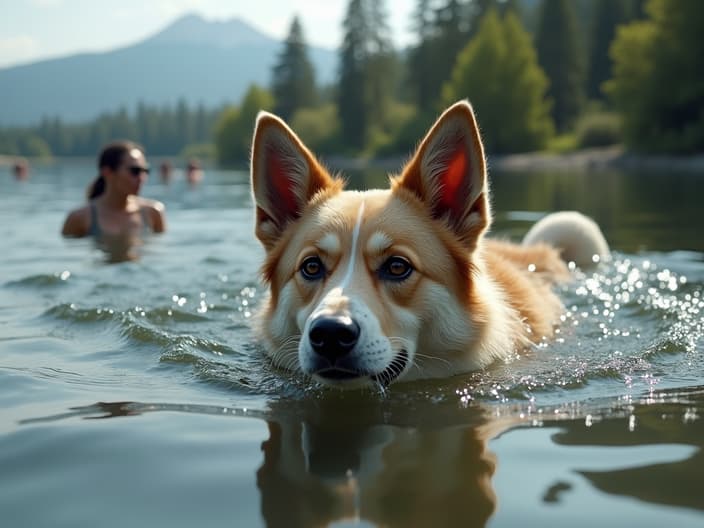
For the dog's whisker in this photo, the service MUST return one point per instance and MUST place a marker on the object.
(425, 358)
(381, 388)
(286, 355)
(282, 354)
(290, 362)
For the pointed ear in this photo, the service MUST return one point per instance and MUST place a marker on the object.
(448, 174)
(284, 177)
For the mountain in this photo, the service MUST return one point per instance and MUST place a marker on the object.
(200, 61)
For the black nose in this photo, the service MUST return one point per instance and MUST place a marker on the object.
(333, 336)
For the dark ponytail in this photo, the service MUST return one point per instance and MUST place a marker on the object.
(96, 188)
(111, 156)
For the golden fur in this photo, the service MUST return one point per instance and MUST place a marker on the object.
(367, 288)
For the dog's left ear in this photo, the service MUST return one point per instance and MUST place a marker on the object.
(284, 177)
(448, 174)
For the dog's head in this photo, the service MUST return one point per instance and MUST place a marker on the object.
(370, 287)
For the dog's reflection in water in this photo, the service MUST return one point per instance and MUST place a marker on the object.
(350, 465)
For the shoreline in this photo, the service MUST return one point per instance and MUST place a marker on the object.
(599, 159)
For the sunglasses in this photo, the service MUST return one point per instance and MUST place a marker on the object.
(137, 171)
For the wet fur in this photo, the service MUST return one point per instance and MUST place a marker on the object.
(468, 300)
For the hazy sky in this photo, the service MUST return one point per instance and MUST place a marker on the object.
(37, 29)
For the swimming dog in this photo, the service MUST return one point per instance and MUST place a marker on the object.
(371, 287)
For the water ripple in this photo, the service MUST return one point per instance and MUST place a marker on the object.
(71, 313)
(631, 322)
(43, 280)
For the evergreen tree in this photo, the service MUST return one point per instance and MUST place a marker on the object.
(498, 72)
(353, 56)
(425, 85)
(366, 70)
(657, 84)
(607, 15)
(293, 84)
(560, 58)
(443, 29)
(381, 65)
(637, 9)
(163, 131)
(512, 5)
(234, 129)
(451, 34)
(184, 123)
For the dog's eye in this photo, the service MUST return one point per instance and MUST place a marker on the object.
(396, 268)
(312, 268)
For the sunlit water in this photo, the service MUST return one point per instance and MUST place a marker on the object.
(604, 424)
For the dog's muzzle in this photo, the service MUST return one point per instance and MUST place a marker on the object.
(333, 336)
(333, 339)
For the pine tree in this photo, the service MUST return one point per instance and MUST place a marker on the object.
(366, 70)
(293, 83)
(657, 84)
(381, 75)
(560, 58)
(234, 129)
(443, 30)
(498, 72)
(451, 34)
(607, 15)
(353, 57)
(424, 84)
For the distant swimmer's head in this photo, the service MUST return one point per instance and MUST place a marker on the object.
(194, 174)
(165, 171)
(21, 169)
(122, 166)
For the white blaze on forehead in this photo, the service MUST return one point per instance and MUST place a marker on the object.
(353, 254)
(331, 301)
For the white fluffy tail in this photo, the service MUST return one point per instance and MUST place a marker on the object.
(578, 237)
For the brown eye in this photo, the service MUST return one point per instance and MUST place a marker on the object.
(312, 268)
(396, 269)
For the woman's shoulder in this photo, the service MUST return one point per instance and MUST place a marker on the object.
(78, 222)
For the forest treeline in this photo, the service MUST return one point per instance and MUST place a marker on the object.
(541, 74)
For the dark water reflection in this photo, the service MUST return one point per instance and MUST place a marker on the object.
(678, 483)
(404, 461)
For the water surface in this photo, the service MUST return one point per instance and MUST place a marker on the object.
(134, 394)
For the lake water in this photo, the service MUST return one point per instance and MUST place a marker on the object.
(134, 394)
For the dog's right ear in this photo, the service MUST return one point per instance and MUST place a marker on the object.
(284, 177)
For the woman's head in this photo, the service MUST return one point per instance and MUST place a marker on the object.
(122, 165)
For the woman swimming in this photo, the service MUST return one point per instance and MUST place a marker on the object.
(115, 215)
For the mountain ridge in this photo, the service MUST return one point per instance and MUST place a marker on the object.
(192, 59)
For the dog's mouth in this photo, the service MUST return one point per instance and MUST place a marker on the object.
(383, 378)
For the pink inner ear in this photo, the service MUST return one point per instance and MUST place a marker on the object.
(451, 196)
(282, 193)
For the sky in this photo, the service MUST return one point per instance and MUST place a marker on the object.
(31, 30)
